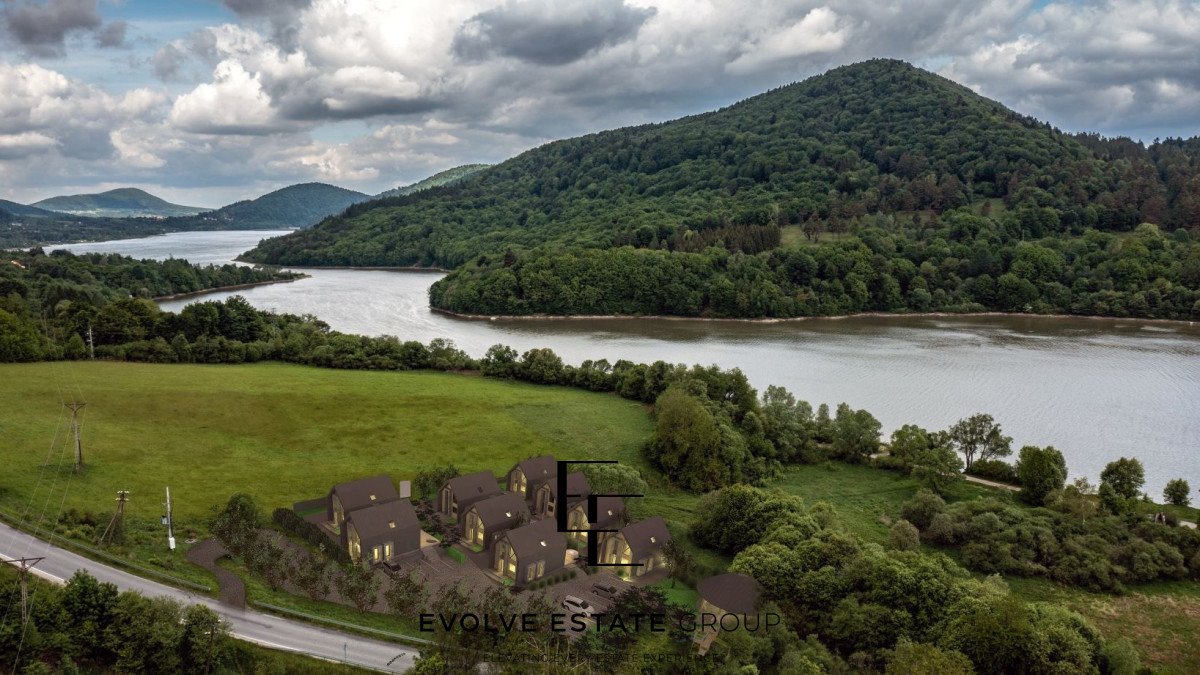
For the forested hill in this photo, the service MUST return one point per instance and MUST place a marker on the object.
(293, 206)
(879, 136)
(119, 203)
(447, 177)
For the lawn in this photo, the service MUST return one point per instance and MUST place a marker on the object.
(279, 432)
(866, 499)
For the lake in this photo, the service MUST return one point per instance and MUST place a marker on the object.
(1096, 389)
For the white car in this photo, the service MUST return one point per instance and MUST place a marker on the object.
(576, 605)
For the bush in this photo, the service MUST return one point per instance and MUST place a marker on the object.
(289, 522)
(922, 508)
(456, 555)
(995, 469)
(904, 536)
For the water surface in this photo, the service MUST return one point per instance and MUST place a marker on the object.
(1096, 389)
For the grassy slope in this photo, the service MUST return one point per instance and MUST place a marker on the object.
(282, 433)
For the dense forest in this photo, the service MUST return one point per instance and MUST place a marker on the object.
(48, 302)
(880, 150)
(960, 263)
(22, 226)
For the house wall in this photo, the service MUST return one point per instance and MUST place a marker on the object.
(518, 483)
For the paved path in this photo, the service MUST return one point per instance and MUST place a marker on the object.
(246, 624)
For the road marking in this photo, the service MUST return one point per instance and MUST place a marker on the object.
(39, 573)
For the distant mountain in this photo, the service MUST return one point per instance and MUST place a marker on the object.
(21, 210)
(119, 203)
(293, 206)
(447, 177)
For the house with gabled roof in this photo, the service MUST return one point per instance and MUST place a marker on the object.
(546, 499)
(460, 492)
(608, 517)
(637, 547)
(381, 533)
(529, 474)
(356, 494)
(487, 519)
(530, 552)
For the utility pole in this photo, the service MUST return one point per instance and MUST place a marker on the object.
(169, 522)
(122, 497)
(75, 427)
(23, 566)
(91, 345)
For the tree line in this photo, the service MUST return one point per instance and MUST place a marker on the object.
(960, 262)
(48, 303)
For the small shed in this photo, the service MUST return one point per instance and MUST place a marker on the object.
(732, 593)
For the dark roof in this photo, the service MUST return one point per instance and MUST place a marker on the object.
(645, 536)
(608, 509)
(734, 592)
(537, 538)
(577, 484)
(473, 485)
(373, 521)
(357, 493)
(503, 508)
(537, 469)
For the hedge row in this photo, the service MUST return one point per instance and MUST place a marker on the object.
(293, 524)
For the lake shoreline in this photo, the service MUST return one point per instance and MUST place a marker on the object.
(221, 289)
(797, 319)
(413, 268)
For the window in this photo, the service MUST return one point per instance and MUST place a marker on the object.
(541, 567)
(387, 550)
(375, 553)
(530, 572)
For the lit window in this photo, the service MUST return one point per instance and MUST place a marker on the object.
(372, 497)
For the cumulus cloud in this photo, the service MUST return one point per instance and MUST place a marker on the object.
(42, 27)
(1113, 66)
(374, 93)
(821, 30)
(233, 103)
(16, 146)
(548, 33)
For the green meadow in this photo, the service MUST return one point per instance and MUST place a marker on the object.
(282, 433)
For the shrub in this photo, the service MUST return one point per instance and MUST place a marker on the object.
(922, 508)
(289, 522)
(904, 536)
(995, 469)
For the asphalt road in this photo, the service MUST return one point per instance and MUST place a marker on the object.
(246, 624)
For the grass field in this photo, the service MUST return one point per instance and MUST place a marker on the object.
(866, 499)
(279, 432)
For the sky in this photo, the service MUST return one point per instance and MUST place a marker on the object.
(205, 102)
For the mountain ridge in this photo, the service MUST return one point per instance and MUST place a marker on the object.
(129, 202)
(878, 136)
